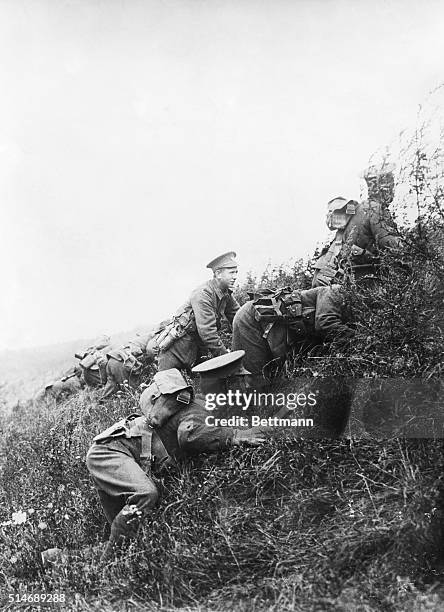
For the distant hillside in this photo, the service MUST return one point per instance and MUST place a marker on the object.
(24, 371)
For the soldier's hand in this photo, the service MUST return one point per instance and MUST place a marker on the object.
(252, 437)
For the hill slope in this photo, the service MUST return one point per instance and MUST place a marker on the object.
(24, 371)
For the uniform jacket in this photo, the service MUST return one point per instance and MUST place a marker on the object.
(185, 433)
(137, 345)
(210, 304)
(371, 228)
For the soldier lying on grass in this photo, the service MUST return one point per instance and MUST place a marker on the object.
(124, 457)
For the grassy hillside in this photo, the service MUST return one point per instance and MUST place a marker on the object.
(351, 524)
(339, 524)
(301, 523)
(24, 371)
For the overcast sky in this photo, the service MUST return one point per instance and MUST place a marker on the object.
(140, 139)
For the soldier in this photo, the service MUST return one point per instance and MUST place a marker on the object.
(362, 230)
(380, 183)
(194, 330)
(127, 363)
(268, 327)
(69, 384)
(93, 361)
(122, 457)
(91, 370)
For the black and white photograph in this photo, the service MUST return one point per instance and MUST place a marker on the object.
(221, 315)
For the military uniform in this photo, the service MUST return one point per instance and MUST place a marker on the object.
(91, 370)
(95, 374)
(203, 311)
(127, 362)
(123, 459)
(69, 384)
(93, 361)
(316, 315)
(369, 229)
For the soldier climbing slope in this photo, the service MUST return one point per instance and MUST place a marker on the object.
(194, 330)
(90, 371)
(93, 361)
(124, 457)
(56, 390)
(269, 327)
(362, 230)
(127, 363)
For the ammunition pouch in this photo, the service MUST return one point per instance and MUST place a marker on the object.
(131, 362)
(327, 268)
(91, 360)
(128, 359)
(88, 361)
(181, 324)
(331, 266)
(360, 262)
(329, 275)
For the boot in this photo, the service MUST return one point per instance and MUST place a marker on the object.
(124, 527)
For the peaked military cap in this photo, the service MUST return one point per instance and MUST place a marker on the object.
(164, 382)
(379, 170)
(229, 364)
(227, 260)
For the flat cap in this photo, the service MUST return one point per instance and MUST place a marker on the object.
(378, 170)
(229, 364)
(164, 382)
(227, 260)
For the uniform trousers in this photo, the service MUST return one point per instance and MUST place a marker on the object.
(116, 373)
(183, 354)
(120, 479)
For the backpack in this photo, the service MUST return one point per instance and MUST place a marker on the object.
(281, 305)
(176, 328)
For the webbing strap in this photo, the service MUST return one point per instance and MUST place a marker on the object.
(267, 328)
(336, 245)
(165, 458)
(147, 439)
